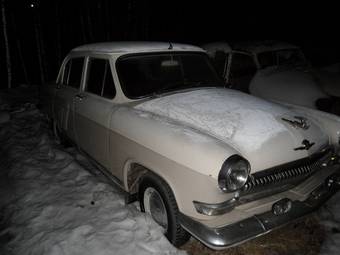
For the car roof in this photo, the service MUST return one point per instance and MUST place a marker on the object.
(213, 47)
(262, 46)
(135, 47)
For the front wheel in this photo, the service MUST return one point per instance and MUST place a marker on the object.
(156, 198)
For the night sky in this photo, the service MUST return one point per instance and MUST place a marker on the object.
(60, 25)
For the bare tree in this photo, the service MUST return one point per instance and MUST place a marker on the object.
(144, 19)
(58, 32)
(18, 48)
(8, 55)
(82, 27)
(40, 46)
(107, 20)
(89, 22)
(129, 24)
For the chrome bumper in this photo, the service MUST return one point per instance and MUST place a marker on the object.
(257, 225)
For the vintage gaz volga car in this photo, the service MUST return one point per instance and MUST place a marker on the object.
(276, 71)
(202, 159)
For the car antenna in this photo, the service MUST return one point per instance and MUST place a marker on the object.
(170, 46)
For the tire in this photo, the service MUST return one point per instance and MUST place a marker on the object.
(155, 192)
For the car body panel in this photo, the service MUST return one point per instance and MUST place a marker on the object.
(289, 85)
(64, 109)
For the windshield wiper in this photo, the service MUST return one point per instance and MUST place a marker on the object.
(180, 85)
(177, 86)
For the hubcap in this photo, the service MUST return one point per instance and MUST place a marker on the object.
(154, 205)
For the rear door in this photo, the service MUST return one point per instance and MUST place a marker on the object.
(93, 109)
(68, 88)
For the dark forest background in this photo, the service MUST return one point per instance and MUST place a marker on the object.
(41, 32)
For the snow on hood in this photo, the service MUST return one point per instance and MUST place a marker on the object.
(295, 86)
(239, 119)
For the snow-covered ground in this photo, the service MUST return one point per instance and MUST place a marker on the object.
(53, 201)
(330, 218)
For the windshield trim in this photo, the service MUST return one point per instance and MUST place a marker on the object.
(122, 85)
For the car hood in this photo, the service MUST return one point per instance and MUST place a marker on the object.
(252, 126)
(297, 86)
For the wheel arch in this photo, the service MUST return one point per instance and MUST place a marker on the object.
(134, 170)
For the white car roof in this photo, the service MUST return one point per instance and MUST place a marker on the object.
(212, 48)
(262, 46)
(135, 47)
(250, 47)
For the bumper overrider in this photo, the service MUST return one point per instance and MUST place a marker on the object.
(283, 212)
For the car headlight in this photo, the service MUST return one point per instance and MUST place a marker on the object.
(233, 174)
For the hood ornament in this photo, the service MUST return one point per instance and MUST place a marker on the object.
(306, 145)
(300, 122)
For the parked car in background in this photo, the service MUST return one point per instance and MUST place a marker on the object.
(201, 159)
(276, 71)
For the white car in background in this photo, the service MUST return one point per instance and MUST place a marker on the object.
(276, 71)
(201, 159)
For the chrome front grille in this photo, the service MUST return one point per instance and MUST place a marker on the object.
(290, 174)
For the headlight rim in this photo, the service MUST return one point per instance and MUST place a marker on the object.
(226, 171)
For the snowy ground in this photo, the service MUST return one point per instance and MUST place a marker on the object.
(330, 218)
(53, 201)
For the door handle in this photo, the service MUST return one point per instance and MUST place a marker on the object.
(80, 97)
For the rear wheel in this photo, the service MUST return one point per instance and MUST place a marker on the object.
(156, 198)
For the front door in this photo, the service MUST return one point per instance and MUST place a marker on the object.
(93, 110)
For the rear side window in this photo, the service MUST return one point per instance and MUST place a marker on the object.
(99, 78)
(220, 61)
(242, 65)
(73, 72)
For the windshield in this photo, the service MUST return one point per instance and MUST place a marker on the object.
(145, 75)
(281, 58)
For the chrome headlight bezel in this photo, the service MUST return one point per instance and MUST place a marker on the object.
(233, 174)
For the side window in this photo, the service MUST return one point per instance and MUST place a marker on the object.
(242, 65)
(73, 72)
(99, 78)
(220, 62)
(242, 70)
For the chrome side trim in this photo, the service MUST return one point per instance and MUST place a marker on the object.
(257, 225)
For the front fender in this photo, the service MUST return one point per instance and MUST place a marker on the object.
(329, 122)
(190, 148)
(187, 160)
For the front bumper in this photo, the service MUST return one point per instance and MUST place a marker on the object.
(257, 225)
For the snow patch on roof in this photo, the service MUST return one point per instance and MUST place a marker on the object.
(212, 48)
(134, 47)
